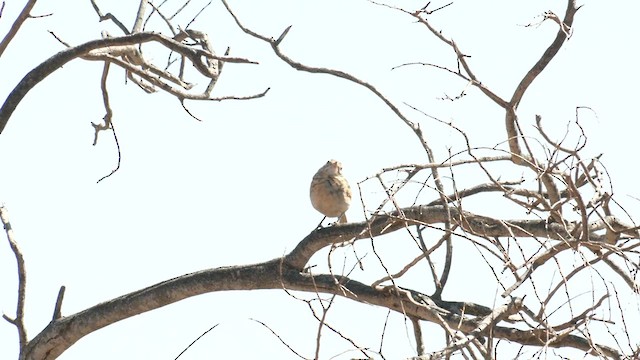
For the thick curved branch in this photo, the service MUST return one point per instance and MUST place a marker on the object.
(548, 55)
(385, 224)
(60, 334)
(538, 67)
(52, 64)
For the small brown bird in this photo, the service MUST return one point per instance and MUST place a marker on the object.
(330, 192)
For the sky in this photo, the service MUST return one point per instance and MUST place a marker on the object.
(232, 189)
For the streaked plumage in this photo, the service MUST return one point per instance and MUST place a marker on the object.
(330, 192)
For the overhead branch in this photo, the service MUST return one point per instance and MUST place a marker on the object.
(22, 17)
(105, 45)
(548, 55)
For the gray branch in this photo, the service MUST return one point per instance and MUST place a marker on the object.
(288, 273)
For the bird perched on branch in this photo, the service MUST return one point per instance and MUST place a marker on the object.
(330, 192)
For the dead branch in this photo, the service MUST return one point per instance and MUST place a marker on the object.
(549, 234)
(106, 45)
(288, 272)
(18, 320)
(57, 310)
(22, 17)
(317, 70)
(196, 340)
(280, 338)
(109, 16)
(473, 223)
(551, 51)
(513, 134)
(61, 334)
(108, 120)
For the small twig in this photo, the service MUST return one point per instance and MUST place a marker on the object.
(180, 9)
(115, 138)
(108, 119)
(107, 107)
(156, 9)
(194, 341)
(18, 321)
(281, 37)
(235, 97)
(279, 338)
(40, 16)
(384, 331)
(323, 323)
(198, 14)
(109, 16)
(222, 98)
(184, 107)
(499, 313)
(57, 311)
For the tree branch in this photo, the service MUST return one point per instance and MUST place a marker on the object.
(18, 321)
(422, 214)
(59, 335)
(538, 67)
(52, 64)
(22, 17)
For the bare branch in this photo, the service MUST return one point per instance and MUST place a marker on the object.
(532, 74)
(280, 338)
(472, 223)
(139, 22)
(57, 311)
(18, 321)
(198, 14)
(549, 54)
(156, 9)
(462, 59)
(563, 224)
(298, 66)
(109, 16)
(115, 138)
(196, 340)
(107, 107)
(108, 120)
(43, 70)
(61, 334)
(22, 17)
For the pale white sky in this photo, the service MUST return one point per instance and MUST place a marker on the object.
(233, 189)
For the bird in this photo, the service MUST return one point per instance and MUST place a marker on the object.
(330, 192)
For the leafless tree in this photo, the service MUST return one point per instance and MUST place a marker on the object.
(572, 226)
